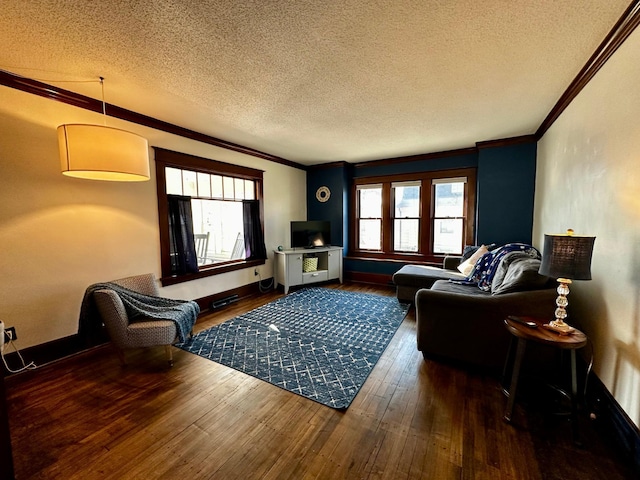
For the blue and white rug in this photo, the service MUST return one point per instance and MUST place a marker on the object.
(320, 343)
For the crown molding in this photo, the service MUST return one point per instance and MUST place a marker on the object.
(616, 37)
(320, 166)
(36, 87)
(417, 158)
(504, 142)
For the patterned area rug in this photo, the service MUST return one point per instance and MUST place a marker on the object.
(320, 343)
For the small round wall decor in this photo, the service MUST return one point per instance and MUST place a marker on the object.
(323, 193)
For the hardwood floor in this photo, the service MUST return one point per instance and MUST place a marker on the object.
(89, 418)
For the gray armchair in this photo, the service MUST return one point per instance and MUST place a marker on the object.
(139, 333)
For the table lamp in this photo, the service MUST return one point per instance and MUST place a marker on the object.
(566, 257)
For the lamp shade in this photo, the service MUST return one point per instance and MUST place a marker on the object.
(103, 153)
(567, 256)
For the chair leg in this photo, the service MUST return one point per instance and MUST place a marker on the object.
(167, 349)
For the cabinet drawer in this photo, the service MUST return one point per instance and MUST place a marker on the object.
(311, 277)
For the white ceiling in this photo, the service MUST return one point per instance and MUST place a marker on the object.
(317, 81)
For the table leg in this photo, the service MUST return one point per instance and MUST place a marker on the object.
(505, 368)
(574, 400)
(522, 343)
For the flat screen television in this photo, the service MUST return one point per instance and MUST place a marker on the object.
(310, 234)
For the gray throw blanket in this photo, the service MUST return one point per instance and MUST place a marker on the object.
(183, 312)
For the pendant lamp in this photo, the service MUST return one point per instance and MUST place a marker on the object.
(99, 152)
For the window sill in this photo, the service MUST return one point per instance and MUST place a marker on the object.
(209, 271)
(416, 259)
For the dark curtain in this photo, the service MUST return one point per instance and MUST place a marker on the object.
(253, 236)
(181, 241)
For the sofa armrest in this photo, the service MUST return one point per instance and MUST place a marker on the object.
(451, 262)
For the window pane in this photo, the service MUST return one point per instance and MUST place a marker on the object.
(249, 190)
(407, 201)
(189, 183)
(223, 221)
(369, 237)
(370, 202)
(227, 183)
(405, 235)
(449, 201)
(173, 180)
(447, 235)
(216, 186)
(239, 188)
(204, 185)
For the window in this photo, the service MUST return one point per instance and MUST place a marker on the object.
(406, 216)
(448, 215)
(216, 193)
(216, 207)
(369, 217)
(422, 216)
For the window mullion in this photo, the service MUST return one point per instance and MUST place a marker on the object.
(387, 218)
(427, 203)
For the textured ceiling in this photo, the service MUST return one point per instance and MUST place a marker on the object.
(317, 81)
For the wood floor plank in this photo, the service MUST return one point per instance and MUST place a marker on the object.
(390, 459)
(89, 418)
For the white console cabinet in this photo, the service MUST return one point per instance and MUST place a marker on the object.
(289, 272)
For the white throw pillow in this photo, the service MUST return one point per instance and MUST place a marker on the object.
(466, 267)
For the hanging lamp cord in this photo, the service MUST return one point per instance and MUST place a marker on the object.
(104, 105)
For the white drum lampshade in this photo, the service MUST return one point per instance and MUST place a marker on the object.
(103, 153)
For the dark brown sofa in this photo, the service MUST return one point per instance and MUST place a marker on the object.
(465, 324)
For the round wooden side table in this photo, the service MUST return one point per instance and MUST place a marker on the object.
(526, 329)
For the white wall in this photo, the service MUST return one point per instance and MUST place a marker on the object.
(59, 234)
(588, 179)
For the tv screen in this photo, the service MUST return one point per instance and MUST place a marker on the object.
(310, 234)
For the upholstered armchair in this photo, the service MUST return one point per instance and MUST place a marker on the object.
(141, 332)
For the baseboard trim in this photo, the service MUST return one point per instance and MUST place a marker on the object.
(48, 352)
(375, 278)
(614, 420)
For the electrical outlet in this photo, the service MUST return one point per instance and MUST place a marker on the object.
(6, 335)
(10, 334)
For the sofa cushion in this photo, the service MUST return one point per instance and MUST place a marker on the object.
(471, 249)
(461, 288)
(517, 272)
(468, 251)
(466, 267)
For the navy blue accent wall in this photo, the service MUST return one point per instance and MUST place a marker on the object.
(347, 177)
(506, 188)
(364, 266)
(337, 179)
(505, 194)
